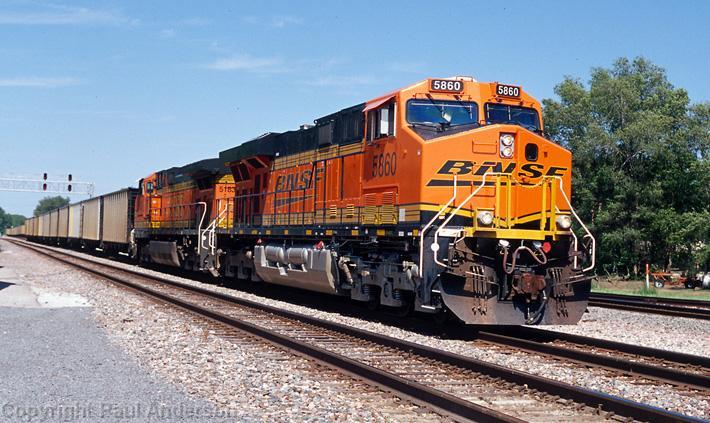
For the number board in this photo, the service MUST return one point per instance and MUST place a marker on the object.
(507, 90)
(446, 86)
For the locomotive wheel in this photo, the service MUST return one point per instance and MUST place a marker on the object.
(374, 302)
(442, 317)
(405, 309)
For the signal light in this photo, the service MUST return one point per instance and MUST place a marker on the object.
(44, 176)
(69, 187)
(69, 178)
(44, 186)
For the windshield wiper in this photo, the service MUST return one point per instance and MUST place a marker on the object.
(465, 123)
(437, 126)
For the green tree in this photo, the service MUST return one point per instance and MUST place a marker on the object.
(4, 221)
(16, 219)
(640, 174)
(50, 203)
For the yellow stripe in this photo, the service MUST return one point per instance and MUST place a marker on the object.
(226, 179)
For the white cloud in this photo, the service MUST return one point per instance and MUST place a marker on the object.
(195, 22)
(36, 82)
(64, 15)
(340, 81)
(168, 33)
(273, 21)
(245, 62)
(282, 21)
(406, 67)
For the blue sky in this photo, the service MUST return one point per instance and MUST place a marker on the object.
(111, 91)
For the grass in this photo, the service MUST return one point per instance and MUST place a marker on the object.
(695, 294)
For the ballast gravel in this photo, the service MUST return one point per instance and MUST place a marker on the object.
(688, 336)
(241, 378)
(681, 334)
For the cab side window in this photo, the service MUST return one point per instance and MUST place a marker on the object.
(380, 121)
(148, 187)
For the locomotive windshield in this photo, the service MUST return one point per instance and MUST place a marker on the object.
(435, 118)
(503, 113)
(442, 112)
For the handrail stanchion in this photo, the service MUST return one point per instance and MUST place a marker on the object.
(588, 232)
(428, 225)
(453, 213)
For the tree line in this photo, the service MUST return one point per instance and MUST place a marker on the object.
(641, 175)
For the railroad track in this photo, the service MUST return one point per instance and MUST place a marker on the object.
(456, 386)
(694, 309)
(682, 370)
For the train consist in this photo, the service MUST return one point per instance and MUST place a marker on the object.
(442, 197)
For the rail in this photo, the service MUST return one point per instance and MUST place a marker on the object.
(652, 305)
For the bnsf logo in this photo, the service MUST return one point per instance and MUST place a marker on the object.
(299, 180)
(530, 170)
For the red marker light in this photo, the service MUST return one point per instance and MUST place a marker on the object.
(546, 247)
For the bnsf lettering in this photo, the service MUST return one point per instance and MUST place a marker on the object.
(454, 167)
(556, 171)
(530, 170)
(494, 167)
(298, 180)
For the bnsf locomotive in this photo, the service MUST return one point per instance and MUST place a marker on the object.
(442, 197)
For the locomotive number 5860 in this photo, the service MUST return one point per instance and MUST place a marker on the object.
(384, 164)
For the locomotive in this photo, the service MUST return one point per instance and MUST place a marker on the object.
(442, 197)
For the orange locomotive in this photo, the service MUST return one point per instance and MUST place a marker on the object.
(442, 197)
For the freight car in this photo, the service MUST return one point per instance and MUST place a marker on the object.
(442, 197)
(16, 231)
(104, 223)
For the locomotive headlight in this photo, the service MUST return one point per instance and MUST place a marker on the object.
(564, 221)
(507, 146)
(507, 140)
(485, 218)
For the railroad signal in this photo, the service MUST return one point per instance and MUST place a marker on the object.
(44, 184)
